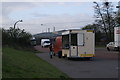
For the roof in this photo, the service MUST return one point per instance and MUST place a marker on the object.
(46, 35)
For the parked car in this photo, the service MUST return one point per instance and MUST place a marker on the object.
(45, 42)
(112, 46)
(33, 41)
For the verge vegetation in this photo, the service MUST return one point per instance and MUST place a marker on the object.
(25, 64)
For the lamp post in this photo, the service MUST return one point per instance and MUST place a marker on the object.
(44, 26)
(17, 22)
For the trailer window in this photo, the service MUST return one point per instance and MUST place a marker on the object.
(80, 39)
(65, 41)
(74, 39)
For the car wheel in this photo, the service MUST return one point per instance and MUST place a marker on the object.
(116, 48)
(108, 49)
(53, 54)
(119, 48)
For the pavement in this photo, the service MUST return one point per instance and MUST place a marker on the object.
(39, 48)
(104, 54)
(76, 68)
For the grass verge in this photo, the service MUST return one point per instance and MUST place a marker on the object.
(25, 64)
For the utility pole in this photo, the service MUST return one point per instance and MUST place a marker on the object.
(118, 14)
(48, 29)
(53, 29)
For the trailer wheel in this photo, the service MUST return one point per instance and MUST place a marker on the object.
(60, 54)
(88, 58)
(63, 56)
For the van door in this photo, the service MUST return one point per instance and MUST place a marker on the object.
(73, 46)
(73, 51)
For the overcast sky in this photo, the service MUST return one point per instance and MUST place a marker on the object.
(61, 15)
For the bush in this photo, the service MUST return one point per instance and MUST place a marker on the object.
(15, 37)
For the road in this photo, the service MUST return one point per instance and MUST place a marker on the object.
(102, 66)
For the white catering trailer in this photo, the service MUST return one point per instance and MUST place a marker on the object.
(78, 43)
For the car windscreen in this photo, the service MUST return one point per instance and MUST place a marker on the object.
(47, 42)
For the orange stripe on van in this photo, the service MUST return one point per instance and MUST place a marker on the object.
(87, 55)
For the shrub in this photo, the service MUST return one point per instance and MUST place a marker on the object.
(15, 37)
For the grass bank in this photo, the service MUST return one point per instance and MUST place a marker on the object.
(25, 64)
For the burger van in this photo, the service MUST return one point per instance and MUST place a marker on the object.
(75, 43)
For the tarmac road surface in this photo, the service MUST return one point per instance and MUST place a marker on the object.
(104, 65)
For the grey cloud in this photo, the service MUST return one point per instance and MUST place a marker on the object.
(33, 25)
(40, 15)
(59, 21)
(63, 18)
(9, 7)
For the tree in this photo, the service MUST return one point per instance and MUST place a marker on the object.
(95, 27)
(15, 37)
(105, 18)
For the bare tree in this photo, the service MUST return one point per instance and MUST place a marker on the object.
(105, 17)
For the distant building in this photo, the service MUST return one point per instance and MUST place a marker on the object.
(59, 32)
(47, 35)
